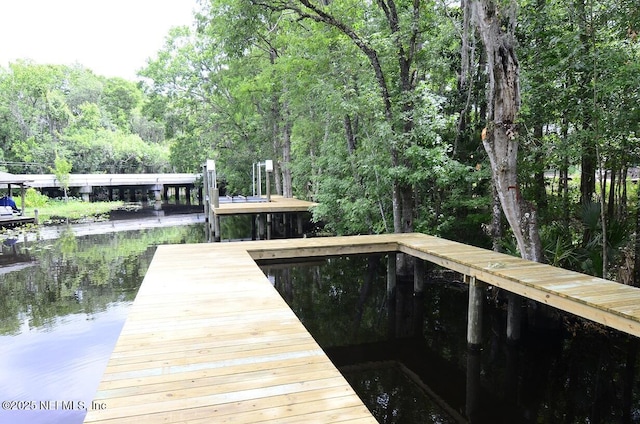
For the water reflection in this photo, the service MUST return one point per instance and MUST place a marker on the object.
(61, 315)
(409, 362)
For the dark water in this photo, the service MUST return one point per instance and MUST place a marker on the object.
(412, 365)
(63, 302)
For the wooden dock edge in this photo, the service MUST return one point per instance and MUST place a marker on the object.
(556, 287)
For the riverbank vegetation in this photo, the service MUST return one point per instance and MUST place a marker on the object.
(383, 112)
(53, 211)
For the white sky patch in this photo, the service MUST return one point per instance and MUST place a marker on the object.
(113, 38)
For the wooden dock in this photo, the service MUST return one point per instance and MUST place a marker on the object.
(208, 338)
(14, 221)
(603, 301)
(278, 204)
(264, 210)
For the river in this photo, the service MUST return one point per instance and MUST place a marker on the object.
(64, 295)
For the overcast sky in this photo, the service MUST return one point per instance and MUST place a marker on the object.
(110, 37)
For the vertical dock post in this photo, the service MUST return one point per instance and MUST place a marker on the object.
(418, 277)
(391, 275)
(268, 168)
(268, 226)
(474, 323)
(391, 293)
(215, 201)
(473, 406)
(514, 315)
(22, 197)
(418, 297)
(254, 227)
(210, 184)
(299, 222)
(261, 226)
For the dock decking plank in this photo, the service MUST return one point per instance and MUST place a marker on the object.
(217, 342)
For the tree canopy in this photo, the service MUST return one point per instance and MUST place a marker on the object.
(377, 110)
(97, 124)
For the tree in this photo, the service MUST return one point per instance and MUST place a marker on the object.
(62, 172)
(403, 26)
(496, 26)
(120, 98)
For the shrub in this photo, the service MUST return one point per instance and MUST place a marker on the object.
(34, 199)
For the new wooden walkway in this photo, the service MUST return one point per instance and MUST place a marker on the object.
(209, 340)
(278, 204)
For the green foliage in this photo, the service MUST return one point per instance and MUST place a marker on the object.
(73, 210)
(62, 172)
(34, 199)
(96, 123)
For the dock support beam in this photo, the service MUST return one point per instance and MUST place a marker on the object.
(474, 323)
(215, 201)
(473, 405)
(418, 296)
(391, 292)
(268, 226)
(418, 277)
(514, 315)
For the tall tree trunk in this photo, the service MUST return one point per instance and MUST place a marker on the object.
(539, 184)
(287, 181)
(401, 195)
(496, 230)
(500, 137)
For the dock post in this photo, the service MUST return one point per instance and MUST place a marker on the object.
(205, 184)
(474, 323)
(391, 293)
(268, 168)
(418, 277)
(215, 201)
(261, 225)
(473, 406)
(299, 221)
(391, 274)
(418, 296)
(514, 315)
(22, 197)
(253, 227)
(268, 226)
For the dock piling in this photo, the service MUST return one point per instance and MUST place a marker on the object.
(474, 323)
(514, 314)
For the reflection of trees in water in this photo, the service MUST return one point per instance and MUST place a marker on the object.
(81, 274)
(337, 299)
(581, 375)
